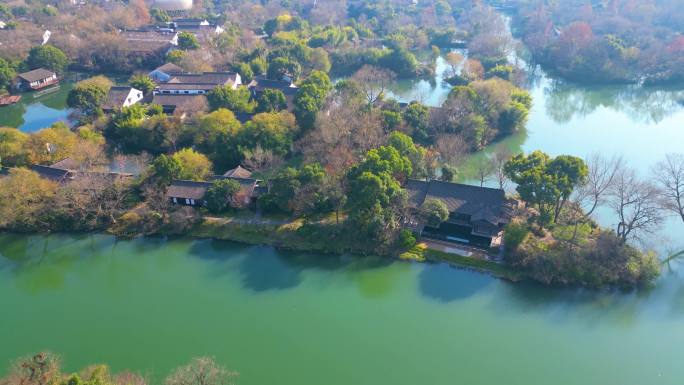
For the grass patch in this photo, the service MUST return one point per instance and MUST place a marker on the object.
(295, 235)
(416, 254)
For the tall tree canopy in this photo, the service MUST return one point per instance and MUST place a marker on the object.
(546, 182)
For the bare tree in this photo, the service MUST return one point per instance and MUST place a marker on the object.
(129, 378)
(452, 148)
(201, 371)
(259, 159)
(455, 61)
(373, 81)
(40, 369)
(499, 158)
(670, 175)
(602, 173)
(636, 204)
(484, 169)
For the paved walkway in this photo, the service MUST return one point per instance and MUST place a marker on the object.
(462, 250)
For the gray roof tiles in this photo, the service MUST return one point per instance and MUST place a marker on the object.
(37, 74)
(480, 203)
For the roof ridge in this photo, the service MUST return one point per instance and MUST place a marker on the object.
(465, 185)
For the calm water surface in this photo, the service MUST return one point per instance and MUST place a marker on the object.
(34, 113)
(287, 318)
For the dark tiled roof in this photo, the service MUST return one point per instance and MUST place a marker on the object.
(52, 173)
(147, 41)
(147, 46)
(67, 164)
(179, 103)
(37, 74)
(243, 117)
(247, 185)
(186, 86)
(213, 78)
(238, 172)
(4, 171)
(259, 84)
(117, 97)
(169, 68)
(187, 189)
(480, 203)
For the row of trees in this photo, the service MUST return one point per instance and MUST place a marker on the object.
(45, 368)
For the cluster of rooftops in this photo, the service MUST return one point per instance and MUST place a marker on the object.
(476, 214)
(180, 92)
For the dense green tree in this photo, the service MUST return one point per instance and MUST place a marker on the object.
(513, 118)
(175, 57)
(139, 128)
(7, 74)
(415, 154)
(282, 191)
(384, 160)
(245, 71)
(12, 151)
(143, 83)
(47, 56)
(259, 66)
(546, 183)
(194, 165)
(434, 212)
(187, 41)
(23, 194)
(272, 131)
(238, 100)
(416, 116)
(311, 97)
(88, 96)
(220, 195)
(216, 135)
(501, 71)
(280, 67)
(160, 15)
(402, 62)
(448, 173)
(164, 169)
(391, 119)
(271, 100)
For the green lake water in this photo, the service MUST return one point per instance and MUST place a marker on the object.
(33, 112)
(286, 318)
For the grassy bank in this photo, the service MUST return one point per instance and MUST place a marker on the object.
(421, 253)
(290, 235)
(325, 238)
